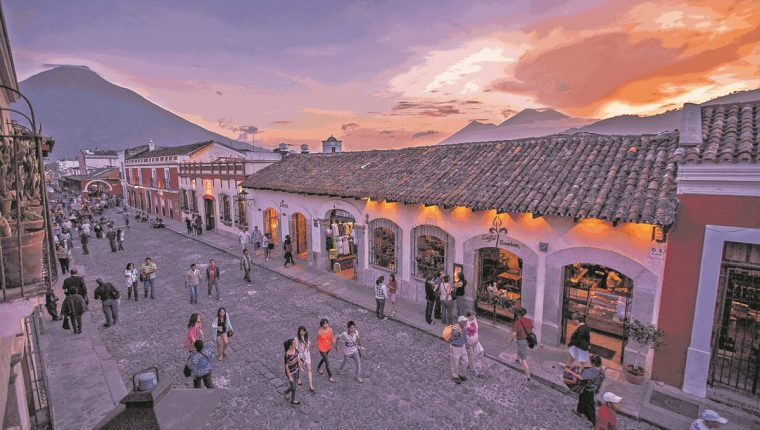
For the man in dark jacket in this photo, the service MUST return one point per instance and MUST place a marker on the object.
(430, 297)
(109, 298)
(111, 235)
(212, 276)
(73, 307)
(83, 239)
(51, 303)
(76, 284)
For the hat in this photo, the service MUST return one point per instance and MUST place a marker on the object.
(610, 397)
(462, 318)
(711, 415)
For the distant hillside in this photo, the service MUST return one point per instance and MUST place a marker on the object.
(541, 122)
(80, 109)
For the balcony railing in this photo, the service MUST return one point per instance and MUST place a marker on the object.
(215, 168)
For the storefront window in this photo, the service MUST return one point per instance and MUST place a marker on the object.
(602, 297)
(383, 245)
(340, 240)
(431, 246)
(500, 283)
(270, 223)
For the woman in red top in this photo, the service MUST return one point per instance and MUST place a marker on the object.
(194, 332)
(520, 330)
(325, 342)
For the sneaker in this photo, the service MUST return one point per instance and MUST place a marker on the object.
(359, 380)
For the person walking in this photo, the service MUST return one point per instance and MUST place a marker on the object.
(244, 237)
(256, 237)
(473, 347)
(303, 346)
(429, 299)
(522, 327)
(708, 420)
(381, 292)
(64, 257)
(437, 281)
(325, 342)
(292, 367)
(447, 303)
(194, 332)
(245, 264)
(198, 225)
(212, 276)
(76, 284)
(267, 249)
(392, 288)
(84, 238)
(189, 225)
(192, 280)
(457, 352)
(120, 238)
(126, 218)
(111, 236)
(592, 378)
(459, 289)
(148, 276)
(109, 299)
(51, 303)
(606, 417)
(130, 280)
(222, 326)
(580, 342)
(73, 307)
(200, 364)
(351, 349)
(287, 246)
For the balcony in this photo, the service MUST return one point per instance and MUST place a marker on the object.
(220, 168)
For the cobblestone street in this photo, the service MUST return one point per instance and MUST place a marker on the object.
(407, 382)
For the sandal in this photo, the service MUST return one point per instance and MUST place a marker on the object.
(312, 389)
(359, 380)
(295, 402)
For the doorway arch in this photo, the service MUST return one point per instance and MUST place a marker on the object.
(299, 227)
(272, 224)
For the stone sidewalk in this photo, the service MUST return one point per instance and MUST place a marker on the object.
(84, 382)
(667, 409)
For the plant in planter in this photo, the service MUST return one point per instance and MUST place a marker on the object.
(648, 336)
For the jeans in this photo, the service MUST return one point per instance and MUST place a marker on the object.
(121, 245)
(473, 359)
(247, 275)
(85, 251)
(357, 360)
(132, 289)
(64, 264)
(458, 360)
(113, 245)
(206, 379)
(380, 309)
(215, 286)
(460, 306)
(292, 384)
(111, 311)
(429, 311)
(324, 361)
(76, 323)
(193, 293)
(586, 406)
(447, 306)
(149, 284)
(53, 311)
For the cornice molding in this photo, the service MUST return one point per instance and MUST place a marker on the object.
(719, 179)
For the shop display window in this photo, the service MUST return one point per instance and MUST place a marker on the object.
(430, 247)
(383, 246)
(500, 282)
(270, 223)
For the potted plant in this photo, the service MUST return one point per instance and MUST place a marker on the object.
(647, 336)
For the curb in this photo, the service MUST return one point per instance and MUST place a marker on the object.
(547, 382)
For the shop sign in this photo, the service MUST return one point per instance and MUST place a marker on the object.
(340, 213)
(495, 232)
(656, 250)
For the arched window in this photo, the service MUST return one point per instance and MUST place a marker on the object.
(271, 221)
(431, 250)
(384, 243)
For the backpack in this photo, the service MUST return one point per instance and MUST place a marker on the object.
(446, 335)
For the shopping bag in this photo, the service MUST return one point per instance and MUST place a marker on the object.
(66, 325)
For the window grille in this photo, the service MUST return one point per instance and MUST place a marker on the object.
(385, 236)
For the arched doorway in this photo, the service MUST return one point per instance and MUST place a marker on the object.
(271, 222)
(298, 231)
(98, 189)
(340, 241)
(601, 296)
(208, 209)
(499, 282)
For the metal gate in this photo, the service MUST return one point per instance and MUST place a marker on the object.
(735, 359)
(34, 372)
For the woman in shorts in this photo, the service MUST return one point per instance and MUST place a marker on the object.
(520, 330)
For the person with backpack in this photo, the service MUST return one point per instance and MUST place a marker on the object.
(109, 298)
(521, 330)
(580, 342)
(459, 287)
(591, 378)
(456, 335)
(200, 364)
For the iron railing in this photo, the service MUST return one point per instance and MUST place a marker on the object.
(36, 377)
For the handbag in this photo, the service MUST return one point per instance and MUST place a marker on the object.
(187, 371)
(229, 333)
(529, 336)
(66, 324)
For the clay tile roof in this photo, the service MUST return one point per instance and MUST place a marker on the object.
(616, 178)
(173, 150)
(730, 134)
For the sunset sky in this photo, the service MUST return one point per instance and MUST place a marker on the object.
(394, 73)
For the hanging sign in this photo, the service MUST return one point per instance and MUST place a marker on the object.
(656, 250)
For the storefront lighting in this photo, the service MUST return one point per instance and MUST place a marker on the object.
(365, 198)
(658, 234)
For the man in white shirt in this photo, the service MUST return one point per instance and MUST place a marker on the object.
(709, 420)
(244, 237)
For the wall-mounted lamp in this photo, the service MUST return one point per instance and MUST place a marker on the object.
(658, 234)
